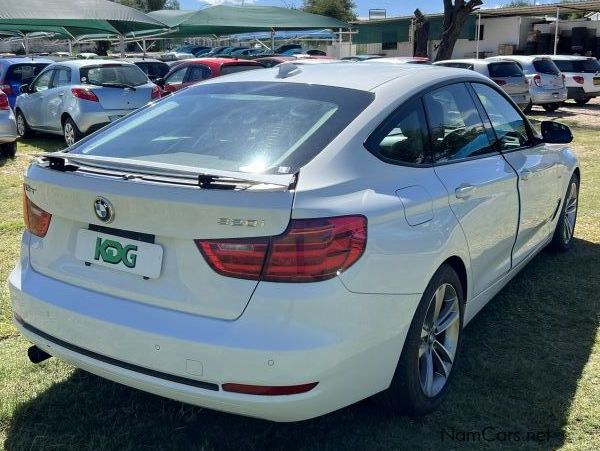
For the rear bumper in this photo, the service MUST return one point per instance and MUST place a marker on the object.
(580, 93)
(8, 127)
(288, 335)
(521, 99)
(89, 121)
(541, 96)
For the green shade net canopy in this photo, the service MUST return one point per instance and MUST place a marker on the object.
(73, 18)
(222, 19)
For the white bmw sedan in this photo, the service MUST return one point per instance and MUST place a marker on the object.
(283, 243)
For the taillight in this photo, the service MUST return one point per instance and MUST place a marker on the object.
(564, 79)
(155, 92)
(6, 89)
(309, 250)
(499, 82)
(578, 79)
(265, 390)
(537, 80)
(37, 220)
(84, 94)
(4, 105)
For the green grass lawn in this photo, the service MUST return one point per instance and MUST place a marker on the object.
(531, 362)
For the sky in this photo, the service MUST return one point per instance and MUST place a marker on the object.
(393, 7)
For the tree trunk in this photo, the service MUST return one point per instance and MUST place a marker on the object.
(421, 34)
(455, 16)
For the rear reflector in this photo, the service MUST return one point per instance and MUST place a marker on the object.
(4, 101)
(309, 250)
(265, 390)
(84, 94)
(37, 220)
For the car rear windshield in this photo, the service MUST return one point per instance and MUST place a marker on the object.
(107, 74)
(232, 69)
(504, 70)
(19, 73)
(588, 66)
(545, 66)
(258, 127)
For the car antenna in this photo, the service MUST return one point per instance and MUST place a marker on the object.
(288, 69)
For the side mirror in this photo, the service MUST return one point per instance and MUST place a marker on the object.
(24, 89)
(556, 133)
(160, 82)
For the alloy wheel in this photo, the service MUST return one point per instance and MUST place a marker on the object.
(20, 125)
(69, 134)
(570, 214)
(439, 340)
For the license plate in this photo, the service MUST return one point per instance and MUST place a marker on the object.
(596, 81)
(132, 256)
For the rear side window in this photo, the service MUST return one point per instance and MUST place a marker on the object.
(232, 69)
(197, 73)
(457, 131)
(405, 138)
(545, 66)
(588, 66)
(20, 73)
(508, 124)
(62, 77)
(177, 76)
(258, 127)
(113, 74)
(503, 70)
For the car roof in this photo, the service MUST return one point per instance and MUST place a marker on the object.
(365, 76)
(571, 57)
(89, 63)
(24, 60)
(220, 61)
(519, 58)
(141, 60)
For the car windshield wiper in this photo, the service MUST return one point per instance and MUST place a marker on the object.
(131, 169)
(115, 85)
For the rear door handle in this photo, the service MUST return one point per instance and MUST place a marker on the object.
(61, 94)
(464, 191)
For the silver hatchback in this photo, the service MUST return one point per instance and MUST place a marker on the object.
(506, 74)
(74, 98)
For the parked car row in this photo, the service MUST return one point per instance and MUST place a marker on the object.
(76, 97)
(545, 80)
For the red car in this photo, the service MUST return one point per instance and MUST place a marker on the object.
(194, 70)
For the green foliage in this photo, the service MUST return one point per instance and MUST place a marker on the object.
(517, 3)
(339, 9)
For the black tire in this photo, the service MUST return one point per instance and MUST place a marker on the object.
(9, 149)
(71, 133)
(406, 394)
(563, 238)
(582, 101)
(527, 109)
(23, 129)
(551, 107)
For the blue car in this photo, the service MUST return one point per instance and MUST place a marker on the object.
(18, 71)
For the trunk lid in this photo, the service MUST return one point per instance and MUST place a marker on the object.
(118, 98)
(165, 217)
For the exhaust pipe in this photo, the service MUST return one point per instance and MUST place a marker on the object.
(36, 355)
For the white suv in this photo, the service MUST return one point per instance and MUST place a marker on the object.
(582, 76)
